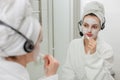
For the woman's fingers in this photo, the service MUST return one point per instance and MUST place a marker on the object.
(51, 65)
(92, 45)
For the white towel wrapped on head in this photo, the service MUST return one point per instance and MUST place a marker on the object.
(96, 8)
(18, 14)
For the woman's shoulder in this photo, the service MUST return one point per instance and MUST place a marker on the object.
(13, 70)
(103, 44)
(105, 49)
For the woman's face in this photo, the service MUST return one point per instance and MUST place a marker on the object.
(91, 26)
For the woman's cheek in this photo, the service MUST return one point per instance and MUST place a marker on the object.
(85, 30)
(95, 33)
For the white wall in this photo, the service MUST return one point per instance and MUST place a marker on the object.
(112, 29)
(61, 28)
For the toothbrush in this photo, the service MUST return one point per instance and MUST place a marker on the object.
(40, 55)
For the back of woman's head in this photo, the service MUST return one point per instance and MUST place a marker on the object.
(18, 15)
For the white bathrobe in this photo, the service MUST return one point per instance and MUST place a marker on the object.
(13, 71)
(80, 66)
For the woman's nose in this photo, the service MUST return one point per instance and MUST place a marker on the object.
(89, 29)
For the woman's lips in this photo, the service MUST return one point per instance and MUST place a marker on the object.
(89, 34)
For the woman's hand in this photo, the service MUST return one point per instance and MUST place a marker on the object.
(51, 65)
(92, 45)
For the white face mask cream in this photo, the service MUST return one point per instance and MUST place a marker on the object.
(91, 26)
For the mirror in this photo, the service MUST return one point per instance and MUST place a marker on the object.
(59, 21)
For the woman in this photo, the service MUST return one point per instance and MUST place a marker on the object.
(89, 58)
(20, 36)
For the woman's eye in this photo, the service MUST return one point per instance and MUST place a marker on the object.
(95, 27)
(85, 25)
